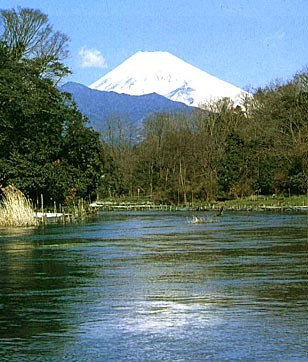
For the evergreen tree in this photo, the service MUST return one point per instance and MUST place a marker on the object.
(45, 145)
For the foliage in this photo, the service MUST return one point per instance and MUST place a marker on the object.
(222, 150)
(45, 144)
(218, 151)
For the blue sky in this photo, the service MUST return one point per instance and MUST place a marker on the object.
(247, 43)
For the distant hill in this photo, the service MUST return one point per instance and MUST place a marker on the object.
(101, 107)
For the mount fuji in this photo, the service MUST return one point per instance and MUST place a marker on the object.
(169, 76)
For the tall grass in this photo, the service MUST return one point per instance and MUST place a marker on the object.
(15, 209)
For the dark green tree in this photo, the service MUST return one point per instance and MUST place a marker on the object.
(45, 144)
(82, 149)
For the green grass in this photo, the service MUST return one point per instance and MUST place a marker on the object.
(266, 201)
(253, 202)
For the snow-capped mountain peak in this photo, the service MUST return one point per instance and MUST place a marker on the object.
(167, 75)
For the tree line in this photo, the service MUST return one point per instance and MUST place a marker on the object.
(219, 151)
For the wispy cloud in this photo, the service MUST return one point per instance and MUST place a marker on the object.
(91, 58)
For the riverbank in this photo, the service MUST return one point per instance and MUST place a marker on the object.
(269, 203)
(252, 203)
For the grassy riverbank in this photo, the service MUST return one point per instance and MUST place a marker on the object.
(257, 203)
(268, 202)
(16, 209)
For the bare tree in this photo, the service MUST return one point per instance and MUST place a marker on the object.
(27, 34)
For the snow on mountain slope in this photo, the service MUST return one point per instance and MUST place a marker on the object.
(167, 75)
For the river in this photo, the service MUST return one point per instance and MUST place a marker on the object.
(152, 286)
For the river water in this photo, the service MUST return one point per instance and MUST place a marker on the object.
(152, 286)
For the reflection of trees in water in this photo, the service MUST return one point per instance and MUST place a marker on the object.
(276, 269)
(260, 265)
(38, 287)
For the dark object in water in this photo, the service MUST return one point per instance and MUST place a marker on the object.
(220, 211)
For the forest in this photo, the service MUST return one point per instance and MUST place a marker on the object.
(219, 151)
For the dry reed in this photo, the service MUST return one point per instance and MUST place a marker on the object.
(15, 209)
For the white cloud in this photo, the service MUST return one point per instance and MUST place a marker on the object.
(91, 58)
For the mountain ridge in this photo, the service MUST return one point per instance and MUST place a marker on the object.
(102, 106)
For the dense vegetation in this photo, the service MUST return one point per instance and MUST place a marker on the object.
(45, 146)
(260, 148)
(218, 151)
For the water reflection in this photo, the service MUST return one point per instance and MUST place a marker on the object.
(141, 286)
(35, 285)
